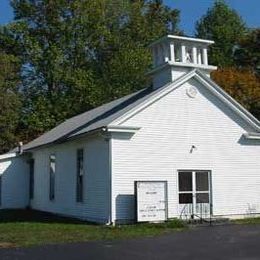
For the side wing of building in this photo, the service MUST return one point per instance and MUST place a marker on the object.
(14, 181)
(63, 163)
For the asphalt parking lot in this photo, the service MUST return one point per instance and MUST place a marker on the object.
(217, 242)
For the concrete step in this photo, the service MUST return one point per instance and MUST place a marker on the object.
(208, 221)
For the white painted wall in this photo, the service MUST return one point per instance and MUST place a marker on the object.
(14, 173)
(95, 206)
(169, 127)
(168, 74)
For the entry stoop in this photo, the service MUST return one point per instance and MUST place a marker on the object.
(208, 221)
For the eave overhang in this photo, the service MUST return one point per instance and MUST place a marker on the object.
(7, 156)
(121, 129)
(168, 64)
(252, 136)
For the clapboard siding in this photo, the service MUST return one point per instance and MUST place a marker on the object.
(169, 127)
(95, 206)
(14, 174)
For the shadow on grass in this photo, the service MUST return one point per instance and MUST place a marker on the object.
(24, 228)
(35, 216)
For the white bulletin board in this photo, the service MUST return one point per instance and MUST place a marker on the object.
(151, 201)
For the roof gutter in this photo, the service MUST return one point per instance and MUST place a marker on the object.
(121, 129)
(7, 156)
(252, 136)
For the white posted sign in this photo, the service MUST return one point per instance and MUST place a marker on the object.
(151, 198)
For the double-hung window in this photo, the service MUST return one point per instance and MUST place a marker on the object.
(31, 184)
(80, 173)
(52, 176)
(1, 189)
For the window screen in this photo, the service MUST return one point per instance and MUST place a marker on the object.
(1, 189)
(185, 198)
(202, 197)
(80, 172)
(185, 181)
(202, 181)
(52, 176)
(185, 187)
(31, 184)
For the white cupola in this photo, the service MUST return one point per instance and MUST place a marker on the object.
(174, 56)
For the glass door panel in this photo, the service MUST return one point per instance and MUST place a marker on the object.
(202, 194)
(202, 181)
(185, 181)
(185, 193)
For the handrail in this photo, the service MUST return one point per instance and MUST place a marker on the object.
(183, 210)
(199, 216)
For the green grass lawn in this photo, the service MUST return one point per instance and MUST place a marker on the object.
(247, 221)
(22, 228)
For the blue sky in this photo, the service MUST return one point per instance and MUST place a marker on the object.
(191, 11)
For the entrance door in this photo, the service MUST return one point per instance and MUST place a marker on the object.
(194, 194)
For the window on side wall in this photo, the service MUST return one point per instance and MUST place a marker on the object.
(52, 176)
(1, 189)
(31, 185)
(80, 173)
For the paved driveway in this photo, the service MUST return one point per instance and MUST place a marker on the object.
(219, 242)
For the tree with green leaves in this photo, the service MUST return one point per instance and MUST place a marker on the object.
(79, 54)
(225, 27)
(10, 103)
(247, 54)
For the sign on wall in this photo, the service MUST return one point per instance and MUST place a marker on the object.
(151, 201)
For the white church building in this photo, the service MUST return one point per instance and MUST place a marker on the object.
(183, 131)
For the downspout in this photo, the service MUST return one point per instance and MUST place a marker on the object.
(20, 147)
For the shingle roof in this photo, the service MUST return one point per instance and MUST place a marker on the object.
(90, 120)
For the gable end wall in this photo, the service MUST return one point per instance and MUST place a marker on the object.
(169, 127)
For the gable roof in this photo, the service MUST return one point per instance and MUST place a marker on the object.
(117, 111)
(206, 82)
